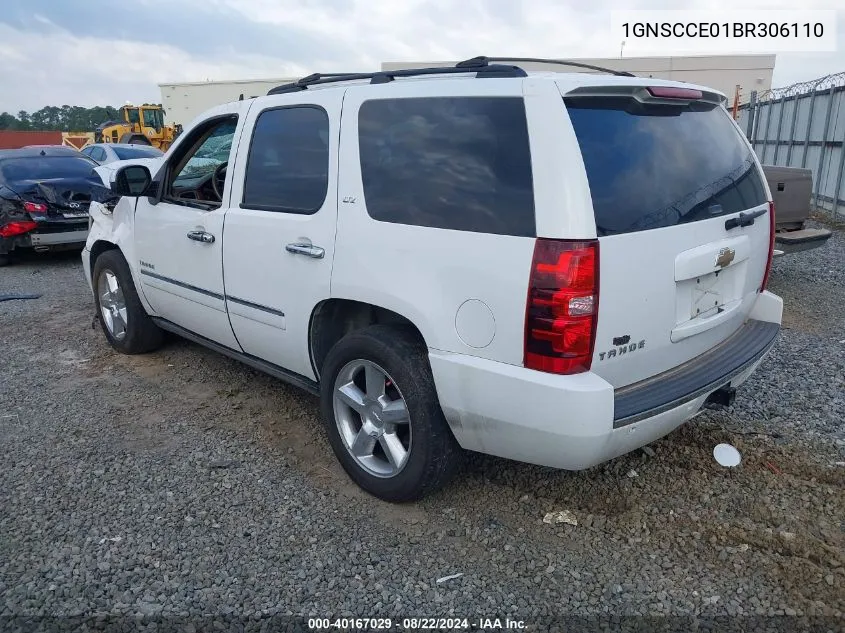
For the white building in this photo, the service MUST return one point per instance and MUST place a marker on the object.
(183, 102)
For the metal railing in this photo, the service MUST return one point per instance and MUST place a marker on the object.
(803, 125)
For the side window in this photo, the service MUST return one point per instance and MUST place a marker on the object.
(199, 173)
(88, 151)
(288, 165)
(98, 154)
(460, 163)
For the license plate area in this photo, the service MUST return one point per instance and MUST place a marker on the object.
(709, 284)
(708, 295)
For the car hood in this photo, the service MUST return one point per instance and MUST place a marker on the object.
(106, 172)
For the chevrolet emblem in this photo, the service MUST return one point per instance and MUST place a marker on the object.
(726, 256)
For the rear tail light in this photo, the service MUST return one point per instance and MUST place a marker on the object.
(34, 207)
(17, 228)
(668, 92)
(771, 246)
(562, 306)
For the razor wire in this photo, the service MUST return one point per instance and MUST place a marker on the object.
(803, 87)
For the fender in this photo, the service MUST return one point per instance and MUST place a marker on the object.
(115, 227)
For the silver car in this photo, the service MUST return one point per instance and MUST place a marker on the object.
(105, 153)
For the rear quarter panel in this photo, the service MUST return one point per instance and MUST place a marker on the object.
(427, 274)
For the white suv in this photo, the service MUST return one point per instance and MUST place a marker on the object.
(553, 268)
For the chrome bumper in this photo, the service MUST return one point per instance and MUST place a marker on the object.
(62, 237)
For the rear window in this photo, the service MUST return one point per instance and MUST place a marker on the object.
(459, 163)
(133, 151)
(47, 167)
(656, 166)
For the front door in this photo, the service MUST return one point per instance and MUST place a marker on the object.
(280, 229)
(179, 233)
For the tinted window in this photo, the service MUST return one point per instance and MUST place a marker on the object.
(47, 167)
(134, 151)
(458, 163)
(651, 167)
(98, 153)
(288, 164)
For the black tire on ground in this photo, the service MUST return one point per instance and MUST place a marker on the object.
(142, 335)
(134, 139)
(434, 456)
(5, 260)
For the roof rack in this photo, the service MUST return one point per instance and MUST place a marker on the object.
(481, 62)
(483, 67)
(385, 76)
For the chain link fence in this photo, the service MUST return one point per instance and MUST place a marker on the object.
(803, 125)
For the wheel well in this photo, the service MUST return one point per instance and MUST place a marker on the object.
(100, 247)
(335, 318)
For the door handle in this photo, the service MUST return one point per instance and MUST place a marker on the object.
(309, 250)
(201, 236)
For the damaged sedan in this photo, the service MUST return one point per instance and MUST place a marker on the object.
(45, 193)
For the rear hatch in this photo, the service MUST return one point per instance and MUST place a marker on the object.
(668, 172)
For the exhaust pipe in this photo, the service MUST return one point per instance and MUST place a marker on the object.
(41, 249)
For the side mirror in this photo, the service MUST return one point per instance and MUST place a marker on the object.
(132, 181)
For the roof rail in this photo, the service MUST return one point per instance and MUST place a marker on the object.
(385, 76)
(482, 61)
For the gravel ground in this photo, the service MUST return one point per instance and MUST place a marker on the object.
(181, 484)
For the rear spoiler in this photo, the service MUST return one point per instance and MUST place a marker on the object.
(668, 95)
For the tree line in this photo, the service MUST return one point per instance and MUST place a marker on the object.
(65, 118)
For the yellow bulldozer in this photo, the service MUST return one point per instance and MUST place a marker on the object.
(140, 125)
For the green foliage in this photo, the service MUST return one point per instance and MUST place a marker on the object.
(65, 119)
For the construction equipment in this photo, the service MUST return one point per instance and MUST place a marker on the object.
(77, 140)
(140, 125)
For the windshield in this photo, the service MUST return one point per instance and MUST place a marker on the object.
(213, 152)
(652, 167)
(153, 119)
(134, 151)
(47, 168)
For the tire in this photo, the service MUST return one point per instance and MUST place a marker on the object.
(5, 260)
(139, 333)
(131, 138)
(431, 455)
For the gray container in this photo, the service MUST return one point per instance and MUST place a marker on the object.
(792, 189)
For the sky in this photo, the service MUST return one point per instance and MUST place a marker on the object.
(103, 52)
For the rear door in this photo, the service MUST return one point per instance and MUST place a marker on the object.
(280, 230)
(667, 178)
